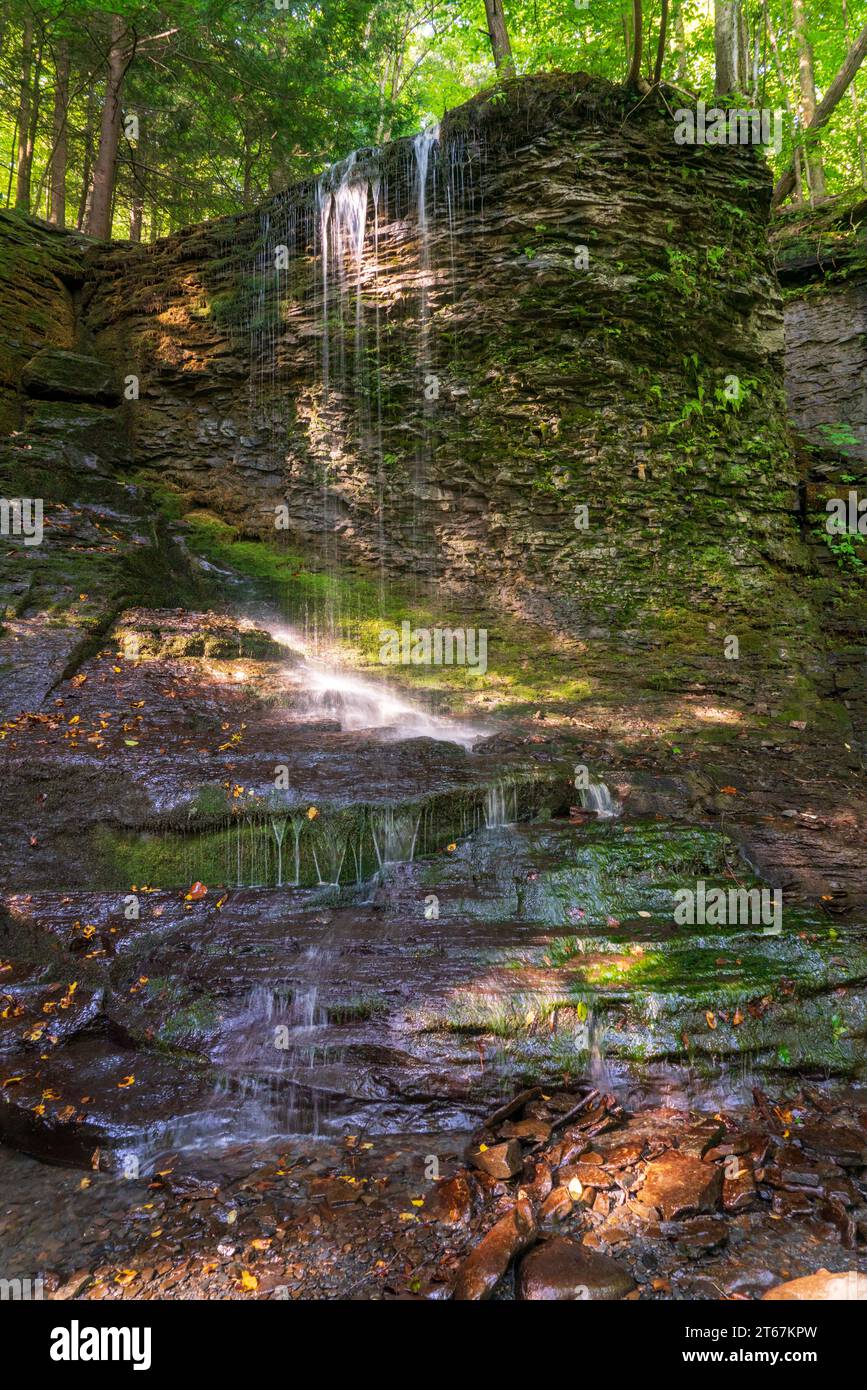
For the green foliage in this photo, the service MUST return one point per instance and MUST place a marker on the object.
(236, 100)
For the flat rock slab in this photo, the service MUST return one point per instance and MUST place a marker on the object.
(847, 1286)
(679, 1185)
(55, 373)
(561, 1269)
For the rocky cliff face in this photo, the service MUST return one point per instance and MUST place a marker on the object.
(534, 364)
(438, 356)
(822, 265)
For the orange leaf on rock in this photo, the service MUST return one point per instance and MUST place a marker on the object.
(198, 890)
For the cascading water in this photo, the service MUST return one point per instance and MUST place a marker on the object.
(501, 805)
(327, 365)
(357, 703)
(598, 798)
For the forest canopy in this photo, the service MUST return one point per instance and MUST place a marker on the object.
(139, 120)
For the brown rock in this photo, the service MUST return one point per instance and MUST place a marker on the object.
(501, 1161)
(739, 1191)
(847, 1146)
(526, 1129)
(588, 1174)
(486, 1264)
(681, 1185)
(556, 1206)
(698, 1234)
(562, 1269)
(848, 1286)
(452, 1200)
(540, 1181)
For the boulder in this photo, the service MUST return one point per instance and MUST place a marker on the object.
(562, 1269)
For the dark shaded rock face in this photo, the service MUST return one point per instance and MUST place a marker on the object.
(821, 257)
(822, 264)
(442, 396)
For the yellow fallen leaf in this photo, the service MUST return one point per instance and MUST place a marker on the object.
(248, 1280)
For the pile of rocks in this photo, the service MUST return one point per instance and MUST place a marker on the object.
(570, 1177)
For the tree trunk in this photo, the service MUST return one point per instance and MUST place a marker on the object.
(680, 45)
(807, 105)
(58, 155)
(105, 168)
(139, 160)
(87, 161)
(854, 59)
(730, 49)
(25, 155)
(859, 139)
(781, 78)
(660, 47)
(634, 72)
(499, 35)
(12, 150)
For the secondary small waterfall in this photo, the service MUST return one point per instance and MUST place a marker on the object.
(501, 804)
(598, 798)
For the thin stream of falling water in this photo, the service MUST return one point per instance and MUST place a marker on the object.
(598, 798)
(341, 218)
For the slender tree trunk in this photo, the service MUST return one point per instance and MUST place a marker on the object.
(139, 160)
(35, 104)
(854, 59)
(730, 48)
(87, 161)
(855, 109)
(499, 35)
(58, 154)
(660, 47)
(680, 44)
(634, 72)
(807, 105)
(105, 168)
(13, 147)
(781, 78)
(22, 187)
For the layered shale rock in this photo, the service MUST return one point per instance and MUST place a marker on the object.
(438, 354)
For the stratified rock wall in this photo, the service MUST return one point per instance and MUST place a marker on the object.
(39, 272)
(443, 397)
(822, 264)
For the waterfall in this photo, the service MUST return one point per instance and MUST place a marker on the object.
(344, 286)
(424, 145)
(501, 804)
(598, 798)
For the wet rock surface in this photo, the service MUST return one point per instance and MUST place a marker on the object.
(562, 1269)
(366, 1217)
